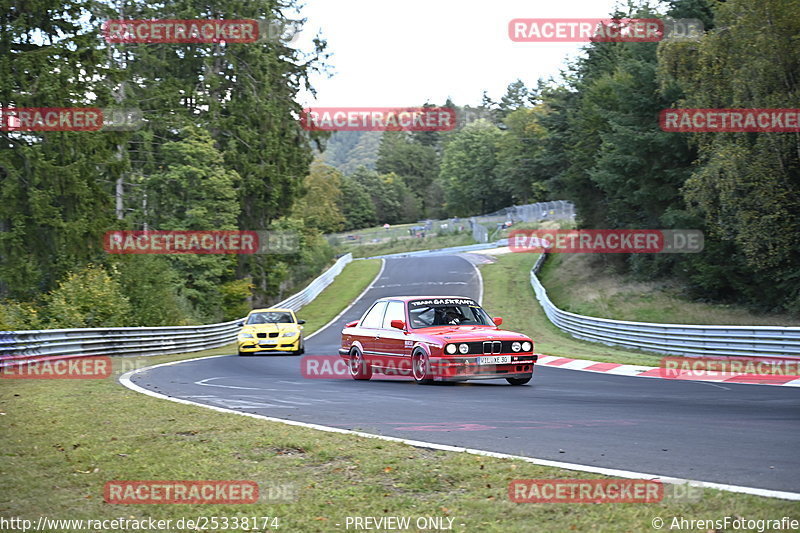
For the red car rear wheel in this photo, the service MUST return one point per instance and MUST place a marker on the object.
(359, 369)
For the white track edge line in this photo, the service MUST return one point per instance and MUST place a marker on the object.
(480, 282)
(126, 381)
(346, 309)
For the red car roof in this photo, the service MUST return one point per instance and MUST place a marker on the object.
(426, 297)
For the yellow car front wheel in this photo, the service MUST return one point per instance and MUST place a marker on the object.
(301, 348)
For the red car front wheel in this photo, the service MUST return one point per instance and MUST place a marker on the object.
(421, 368)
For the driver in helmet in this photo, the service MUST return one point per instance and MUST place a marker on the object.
(450, 316)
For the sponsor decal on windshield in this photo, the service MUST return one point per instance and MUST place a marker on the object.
(443, 301)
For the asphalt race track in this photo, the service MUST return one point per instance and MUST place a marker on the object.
(735, 434)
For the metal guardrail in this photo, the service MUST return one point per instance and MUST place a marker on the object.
(21, 346)
(442, 251)
(677, 339)
(317, 286)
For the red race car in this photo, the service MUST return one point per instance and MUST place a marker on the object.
(449, 338)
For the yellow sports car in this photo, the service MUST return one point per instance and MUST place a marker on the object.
(271, 330)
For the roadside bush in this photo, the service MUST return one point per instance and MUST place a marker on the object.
(87, 298)
(235, 299)
(154, 290)
(19, 316)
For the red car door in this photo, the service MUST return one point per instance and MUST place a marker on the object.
(369, 332)
(395, 355)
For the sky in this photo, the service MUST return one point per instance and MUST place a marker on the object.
(393, 53)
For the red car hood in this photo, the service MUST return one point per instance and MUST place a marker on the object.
(470, 333)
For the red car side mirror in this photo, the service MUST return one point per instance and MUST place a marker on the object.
(351, 324)
(398, 324)
(497, 320)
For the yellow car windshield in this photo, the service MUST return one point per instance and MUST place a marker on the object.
(271, 317)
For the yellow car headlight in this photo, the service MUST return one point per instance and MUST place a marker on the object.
(290, 334)
(246, 335)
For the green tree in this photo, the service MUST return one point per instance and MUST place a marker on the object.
(235, 298)
(319, 206)
(468, 171)
(286, 273)
(356, 205)
(417, 164)
(243, 94)
(54, 186)
(348, 150)
(517, 151)
(195, 191)
(392, 201)
(517, 97)
(154, 290)
(746, 186)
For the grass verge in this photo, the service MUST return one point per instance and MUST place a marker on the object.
(345, 288)
(64, 439)
(577, 283)
(507, 292)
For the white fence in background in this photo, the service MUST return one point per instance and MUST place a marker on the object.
(482, 226)
(677, 339)
(479, 232)
(22, 346)
(557, 210)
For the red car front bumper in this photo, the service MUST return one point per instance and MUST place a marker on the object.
(463, 368)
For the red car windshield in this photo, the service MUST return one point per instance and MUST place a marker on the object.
(446, 312)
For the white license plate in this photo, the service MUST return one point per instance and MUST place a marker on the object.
(494, 360)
